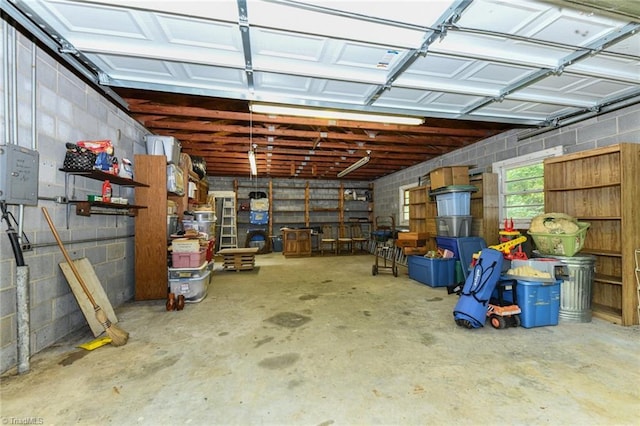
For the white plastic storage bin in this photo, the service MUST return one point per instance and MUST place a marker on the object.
(175, 179)
(208, 215)
(164, 145)
(207, 227)
(154, 145)
(194, 289)
(182, 273)
(260, 204)
(454, 204)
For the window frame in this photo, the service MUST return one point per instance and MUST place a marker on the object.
(502, 167)
(401, 197)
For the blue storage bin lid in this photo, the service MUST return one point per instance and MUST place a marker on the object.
(453, 188)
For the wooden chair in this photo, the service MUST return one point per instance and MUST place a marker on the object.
(357, 237)
(328, 239)
(344, 239)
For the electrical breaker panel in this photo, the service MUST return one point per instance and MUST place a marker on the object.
(18, 175)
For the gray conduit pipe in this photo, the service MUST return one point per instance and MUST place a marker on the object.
(22, 272)
(24, 329)
(10, 65)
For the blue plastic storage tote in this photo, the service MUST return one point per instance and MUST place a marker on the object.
(463, 249)
(434, 272)
(454, 204)
(259, 218)
(539, 302)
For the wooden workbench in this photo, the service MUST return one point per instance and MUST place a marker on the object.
(238, 259)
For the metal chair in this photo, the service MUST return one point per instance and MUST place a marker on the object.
(328, 238)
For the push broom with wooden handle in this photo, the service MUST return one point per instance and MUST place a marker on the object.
(118, 336)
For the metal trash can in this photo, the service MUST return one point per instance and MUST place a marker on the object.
(576, 289)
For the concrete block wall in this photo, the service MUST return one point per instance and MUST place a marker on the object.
(615, 127)
(67, 110)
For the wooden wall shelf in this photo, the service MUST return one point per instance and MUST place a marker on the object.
(102, 176)
(87, 208)
(601, 186)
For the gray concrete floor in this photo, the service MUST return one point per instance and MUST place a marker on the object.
(320, 341)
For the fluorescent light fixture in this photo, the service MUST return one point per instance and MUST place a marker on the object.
(361, 162)
(334, 114)
(252, 163)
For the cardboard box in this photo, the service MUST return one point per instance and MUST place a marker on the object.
(451, 175)
(185, 245)
(421, 250)
(411, 239)
(412, 235)
(411, 243)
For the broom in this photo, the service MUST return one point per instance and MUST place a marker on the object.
(118, 336)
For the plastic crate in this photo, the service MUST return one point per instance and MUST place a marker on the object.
(454, 204)
(561, 244)
(259, 204)
(193, 289)
(434, 272)
(177, 273)
(206, 227)
(449, 243)
(164, 145)
(553, 267)
(453, 226)
(258, 218)
(188, 260)
(539, 302)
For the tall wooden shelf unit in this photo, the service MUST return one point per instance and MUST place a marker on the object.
(151, 226)
(484, 207)
(602, 186)
(422, 213)
(418, 198)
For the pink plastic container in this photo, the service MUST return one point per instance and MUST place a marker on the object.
(189, 259)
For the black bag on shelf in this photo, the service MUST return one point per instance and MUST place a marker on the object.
(77, 158)
(257, 195)
(199, 166)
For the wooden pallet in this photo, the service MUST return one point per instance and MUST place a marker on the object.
(238, 259)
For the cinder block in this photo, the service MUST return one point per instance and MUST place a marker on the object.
(7, 301)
